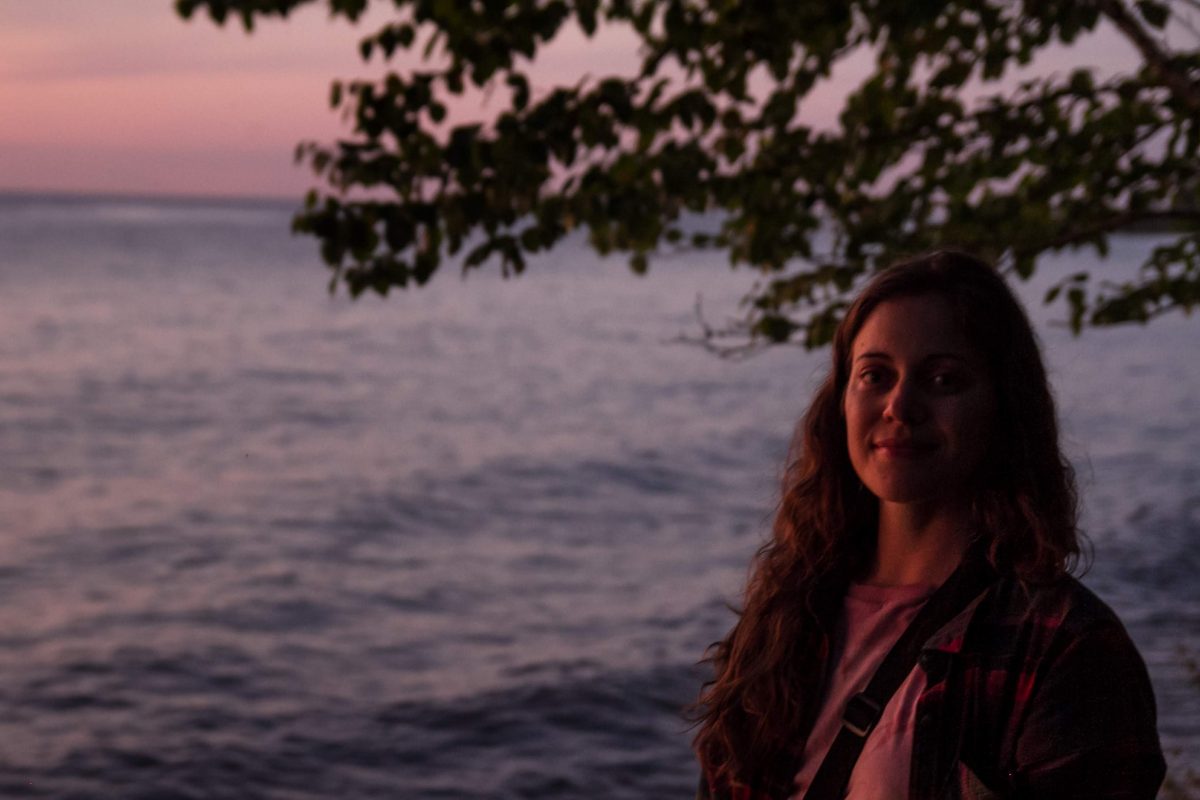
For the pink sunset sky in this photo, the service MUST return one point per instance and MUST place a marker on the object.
(125, 96)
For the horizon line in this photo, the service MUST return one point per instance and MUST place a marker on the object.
(20, 192)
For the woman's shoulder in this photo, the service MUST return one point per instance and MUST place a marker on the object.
(1086, 708)
(1045, 612)
(1063, 599)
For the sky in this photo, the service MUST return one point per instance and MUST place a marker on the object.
(125, 96)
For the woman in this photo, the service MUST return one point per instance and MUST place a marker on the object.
(928, 458)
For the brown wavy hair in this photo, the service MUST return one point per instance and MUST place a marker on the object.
(756, 711)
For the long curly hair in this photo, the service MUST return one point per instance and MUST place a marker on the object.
(754, 714)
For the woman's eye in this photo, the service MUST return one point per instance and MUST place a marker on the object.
(871, 377)
(947, 381)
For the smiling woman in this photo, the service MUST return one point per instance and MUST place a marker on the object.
(911, 629)
(919, 406)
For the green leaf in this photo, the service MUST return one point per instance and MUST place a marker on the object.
(1155, 13)
(775, 328)
(586, 11)
(1024, 264)
(520, 89)
(1081, 82)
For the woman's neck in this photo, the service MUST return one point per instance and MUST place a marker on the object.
(918, 544)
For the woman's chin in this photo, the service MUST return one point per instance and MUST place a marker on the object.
(916, 493)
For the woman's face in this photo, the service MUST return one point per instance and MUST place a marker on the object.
(919, 404)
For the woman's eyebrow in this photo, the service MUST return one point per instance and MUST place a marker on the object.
(951, 356)
(930, 357)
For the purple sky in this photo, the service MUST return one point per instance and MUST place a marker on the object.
(125, 96)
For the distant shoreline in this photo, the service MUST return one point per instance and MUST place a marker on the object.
(71, 197)
(293, 203)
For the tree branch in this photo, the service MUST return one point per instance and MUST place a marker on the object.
(1111, 225)
(1181, 88)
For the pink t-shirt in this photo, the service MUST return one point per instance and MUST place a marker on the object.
(872, 619)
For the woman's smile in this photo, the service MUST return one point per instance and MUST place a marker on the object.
(904, 448)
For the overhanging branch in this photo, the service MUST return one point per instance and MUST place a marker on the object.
(1181, 87)
(1111, 225)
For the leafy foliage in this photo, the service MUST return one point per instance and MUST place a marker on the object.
(710, 128)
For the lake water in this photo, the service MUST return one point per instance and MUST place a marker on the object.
(465, 542)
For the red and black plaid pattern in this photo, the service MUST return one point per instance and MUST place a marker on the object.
(1032, 692)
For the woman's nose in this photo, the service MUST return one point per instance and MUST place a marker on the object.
(905, 404)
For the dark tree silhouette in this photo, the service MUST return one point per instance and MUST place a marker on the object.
(704, 145)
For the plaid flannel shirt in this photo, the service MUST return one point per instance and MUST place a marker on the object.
(1031, 692)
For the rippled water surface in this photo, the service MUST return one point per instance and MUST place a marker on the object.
(463, 542)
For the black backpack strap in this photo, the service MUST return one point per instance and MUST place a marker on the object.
(864, 709)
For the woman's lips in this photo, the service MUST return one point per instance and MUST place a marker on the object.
(903, 448)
